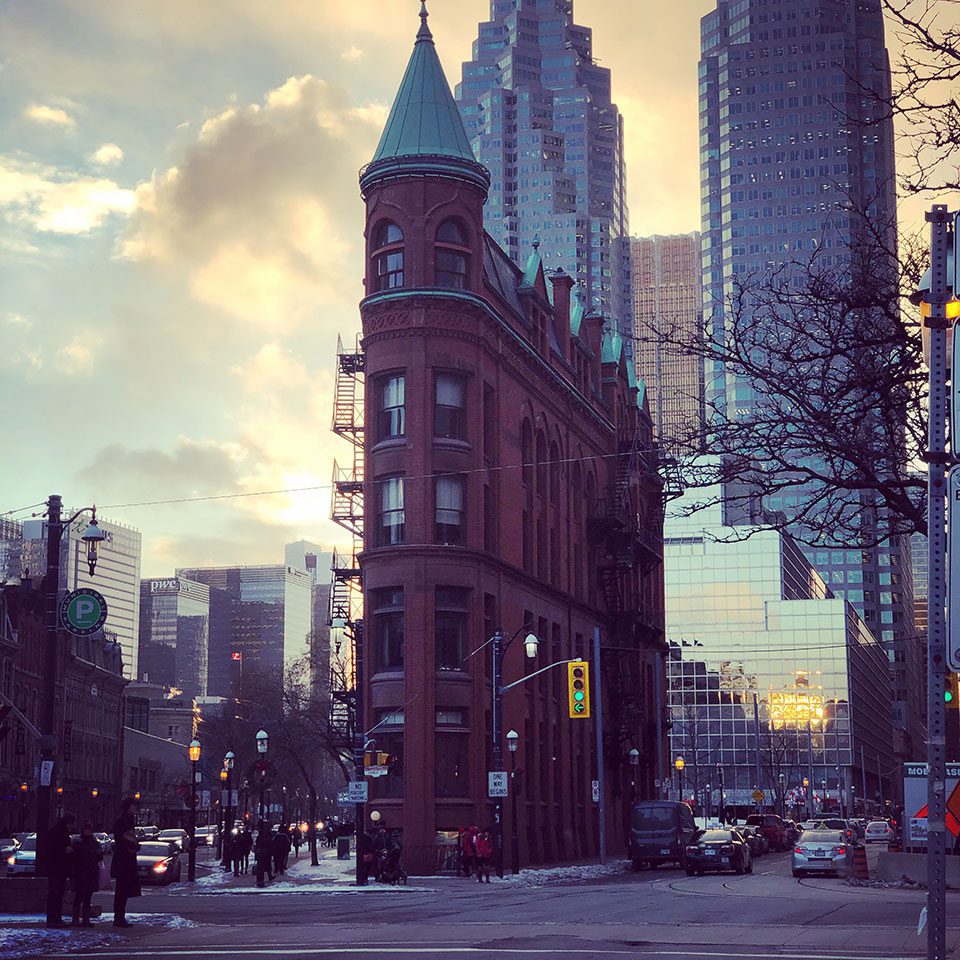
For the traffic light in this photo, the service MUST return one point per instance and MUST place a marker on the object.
(578, 689)
(951, 694)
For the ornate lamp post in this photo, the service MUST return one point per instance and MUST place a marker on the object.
(262, 743)
(634, 764)
(227, 831)
(193, 752)
(513, 741)
(678, 765)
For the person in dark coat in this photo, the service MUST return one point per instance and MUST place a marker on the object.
(262, 852)
(87, 858)
(245, 848)
(123, 867)
(56, 857)
(280, 850)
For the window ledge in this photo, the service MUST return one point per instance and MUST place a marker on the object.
(459, 675)
(453, 443)
(391, 674)
(389, 443)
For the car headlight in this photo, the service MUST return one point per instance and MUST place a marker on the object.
(12, 859)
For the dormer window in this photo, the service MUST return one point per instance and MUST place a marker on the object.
(452, 255)
(388, 257)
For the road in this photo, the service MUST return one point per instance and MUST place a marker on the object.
(648, 916)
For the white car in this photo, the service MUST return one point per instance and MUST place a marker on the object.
(206, 835)
(174, 836)
(24, 861)
(879, 830)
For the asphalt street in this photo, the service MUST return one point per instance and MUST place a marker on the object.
(652, 914)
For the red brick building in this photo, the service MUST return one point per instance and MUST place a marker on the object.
(509, 483)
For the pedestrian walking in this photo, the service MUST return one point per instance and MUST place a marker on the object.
(262, 853)
(87, 858)
(469, 847)
(484, 848)
(280, 850)
(246, 845)
(123, 866)
(57, 852)
(296, 838)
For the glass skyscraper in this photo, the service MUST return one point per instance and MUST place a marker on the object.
(174, 634)
(794, 163)
(763, 655)
(538, 111)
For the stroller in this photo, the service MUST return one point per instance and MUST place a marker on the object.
(389, 868)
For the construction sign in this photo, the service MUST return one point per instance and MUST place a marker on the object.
(915, 802)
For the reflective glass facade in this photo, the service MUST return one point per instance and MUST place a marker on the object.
(537, 109)
(753, 619)
(174, 634)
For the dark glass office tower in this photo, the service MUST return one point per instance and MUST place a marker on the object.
(793, 165)
(538, 111)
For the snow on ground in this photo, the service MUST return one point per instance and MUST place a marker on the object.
(582, 871)
(26, 935)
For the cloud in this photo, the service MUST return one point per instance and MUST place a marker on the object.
(106, 155)
(78, 357)
(18, 320)
(51, 115)
(352, 54)
(254, 217)
(52, 201)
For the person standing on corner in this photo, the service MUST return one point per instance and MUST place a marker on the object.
(123, 867)
(87, 858)
(58, 851)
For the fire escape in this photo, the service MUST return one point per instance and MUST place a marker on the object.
(346, 594)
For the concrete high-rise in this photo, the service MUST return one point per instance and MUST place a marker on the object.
(117, 575)
(175, 633)
(667, 309)
(538, 112)
(794, 164)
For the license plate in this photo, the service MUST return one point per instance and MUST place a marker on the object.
(819, 855)
(726, 859)
(709, 853)
(664, 853)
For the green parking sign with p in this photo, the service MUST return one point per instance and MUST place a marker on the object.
(83, 612)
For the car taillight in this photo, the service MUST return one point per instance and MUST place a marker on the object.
(728, 848)
(839, 850)
(693, 849)
(798, 849)
(12, 859)
(160, 866)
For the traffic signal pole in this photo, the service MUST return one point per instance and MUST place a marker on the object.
(937, 459)
(598, 727)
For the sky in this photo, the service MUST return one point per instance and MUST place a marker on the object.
(181, 240)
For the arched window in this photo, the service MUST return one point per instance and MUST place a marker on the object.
(452, 255)
(387, 256)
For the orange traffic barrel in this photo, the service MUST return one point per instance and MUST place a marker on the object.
(861, 871)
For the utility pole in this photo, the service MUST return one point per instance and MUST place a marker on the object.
(598, 698)
(810, 786)
(496, 723)
(359, 746)
(756, 728)
(48, 692)
(937, 459)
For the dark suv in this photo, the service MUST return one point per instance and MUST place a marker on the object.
(772, 827)
(659, 832)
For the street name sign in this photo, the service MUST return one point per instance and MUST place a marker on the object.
(83, 612)
(357, 791)
(497, 783)
(953, 562)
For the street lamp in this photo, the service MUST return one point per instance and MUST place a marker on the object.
(262, 741)
(24, 790)
(782, 781)
(678, 765)
(228, 759)
(634, 764)
(193, 751)
(513, 742)
(500, 647)
(50, 604)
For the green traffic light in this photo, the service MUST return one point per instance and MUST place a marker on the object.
(578, 695)
(578, 708)
(948, 696)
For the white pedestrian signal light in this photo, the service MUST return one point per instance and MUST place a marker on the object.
(578, 689)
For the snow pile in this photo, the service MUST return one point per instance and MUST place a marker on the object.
(904, 883)
(29, 941)
(551, 875)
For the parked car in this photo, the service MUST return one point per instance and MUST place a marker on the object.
(158, 862)
(822, 851)
(23, 861)
(175, 836)
(148, 832)
(659, 832)
(758, 846)
(844, 826)
(771, 826)
(879, 831)
(718, 850)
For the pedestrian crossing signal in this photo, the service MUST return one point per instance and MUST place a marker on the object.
(578, 689)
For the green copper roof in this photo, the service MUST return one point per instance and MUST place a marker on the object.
(641, 392)
(612, 348)
(533, 267)
(576, 313)
(424, 120)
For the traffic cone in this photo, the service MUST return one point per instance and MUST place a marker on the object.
(861, 870)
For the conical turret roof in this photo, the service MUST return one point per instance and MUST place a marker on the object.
(424, 131)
